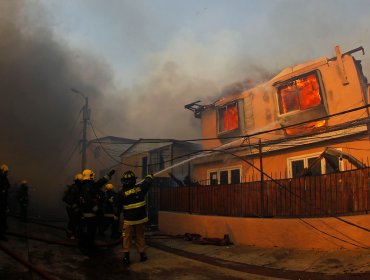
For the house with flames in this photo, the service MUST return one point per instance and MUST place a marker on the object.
(284, 164)
(310, 119)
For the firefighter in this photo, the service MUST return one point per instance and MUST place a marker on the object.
(132, 199)
(71, 198)
(110, 217)
(4, 187)
(22, 197)
(90, 203)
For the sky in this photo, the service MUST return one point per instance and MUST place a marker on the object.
(139, 62)
(135, 36)
(163, 54)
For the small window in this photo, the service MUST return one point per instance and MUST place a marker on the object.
(228, 118)
(299, 94)
(235, 176)
(213, 180)
(313, 165)
(297, 167)
(224, 176)
(301, 99)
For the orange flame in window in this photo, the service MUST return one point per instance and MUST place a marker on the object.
(231, 118)
(305, 127)
(301, 94)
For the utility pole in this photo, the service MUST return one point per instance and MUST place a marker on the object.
(85, 118)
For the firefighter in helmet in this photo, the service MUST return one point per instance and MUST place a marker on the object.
(22, 197)
(4, 187)
(71, 198)
(132, 199)
(91, 208)
(110, 217)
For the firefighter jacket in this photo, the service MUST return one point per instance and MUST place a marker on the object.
(71, 196)
(110, 204)
(133, 201)
(4, 187)
(91, 197)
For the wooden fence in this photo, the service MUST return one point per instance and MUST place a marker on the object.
(340, 193)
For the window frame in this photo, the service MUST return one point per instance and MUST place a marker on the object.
(305, 158)
(287, 82)
(219, 170)
(234, 102)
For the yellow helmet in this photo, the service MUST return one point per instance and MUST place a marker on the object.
(78, 177)
(4, 168)
(88, 174)
(128, 175)
(109, 186)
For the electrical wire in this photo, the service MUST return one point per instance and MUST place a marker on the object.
(252, 135)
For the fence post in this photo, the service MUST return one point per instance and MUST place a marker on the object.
(262, 179)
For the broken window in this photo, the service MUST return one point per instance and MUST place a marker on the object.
(299, 94)
(228, 117)
(301, 99)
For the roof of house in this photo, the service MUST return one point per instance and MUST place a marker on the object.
(147, 145)
(113, 146)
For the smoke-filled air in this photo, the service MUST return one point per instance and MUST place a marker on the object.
(159, 56)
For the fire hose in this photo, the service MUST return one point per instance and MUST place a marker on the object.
(27, 264)
(35, 268)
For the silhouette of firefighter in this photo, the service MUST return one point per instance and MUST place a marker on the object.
(91, 207)
(110, 217)
(71, 198)
(132, 199)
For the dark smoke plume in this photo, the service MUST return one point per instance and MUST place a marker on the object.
(38, 112)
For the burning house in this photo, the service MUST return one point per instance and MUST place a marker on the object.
(312, 119)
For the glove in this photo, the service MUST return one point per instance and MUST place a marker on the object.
(111, 172)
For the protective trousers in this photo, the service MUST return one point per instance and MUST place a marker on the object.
(87, 234)
(128, 232)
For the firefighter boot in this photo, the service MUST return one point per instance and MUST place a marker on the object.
(126, 259)
(143, 257)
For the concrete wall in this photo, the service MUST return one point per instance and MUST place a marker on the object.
(309, 233)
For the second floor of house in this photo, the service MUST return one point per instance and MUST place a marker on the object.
(313, 95)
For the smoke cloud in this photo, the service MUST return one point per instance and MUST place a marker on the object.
(38, 112)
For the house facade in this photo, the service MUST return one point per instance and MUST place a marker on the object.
(310, 119)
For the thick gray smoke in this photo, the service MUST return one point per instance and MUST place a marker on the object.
(38, 112)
